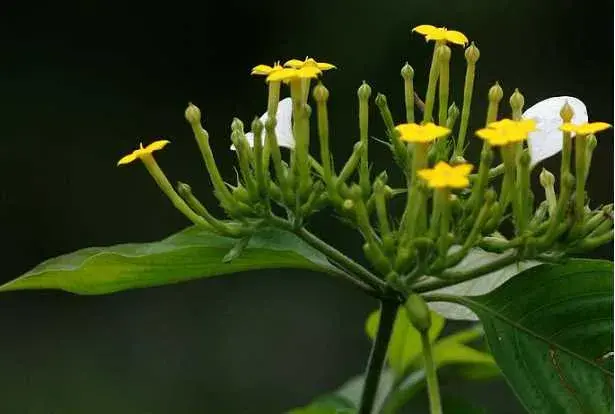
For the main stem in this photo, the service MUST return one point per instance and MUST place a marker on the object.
(433, 389)
(388, 311)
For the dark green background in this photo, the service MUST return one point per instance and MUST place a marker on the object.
(82, 83)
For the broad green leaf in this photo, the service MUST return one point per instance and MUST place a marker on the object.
(478, 286)
(190, 254)
(550, 330)
(405, 344)
(458, 405)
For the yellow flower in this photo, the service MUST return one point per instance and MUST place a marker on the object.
(298, 64)
(288, 74)
(441, 33)
(421, 133)
(585, 128)
(266, 70)
(506, 131)
(444, 175)
(143, 152)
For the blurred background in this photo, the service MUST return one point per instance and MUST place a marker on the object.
(81, 84)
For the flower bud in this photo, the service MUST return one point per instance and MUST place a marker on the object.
(320, 93)
(453, 114)
(257, 128)
(364, 92)
(472, 53)
(444, 53)
(525, 159)
(381, 100)
(407, 72)
(490, 196)
(566, 112)
(193, 114)
(348, 205)
(183, 189)
(418, 312)
(592, 142)
(517, 101)
(546, 178)
(496, 93)
(236, 125)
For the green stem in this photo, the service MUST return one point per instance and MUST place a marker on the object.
(453, 278)
(388, 311)
(333, 254)
(430, 96)
(580, 171)
(433, 390)
(467, 104)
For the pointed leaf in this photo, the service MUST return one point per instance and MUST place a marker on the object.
(190, 254)
(550, 330)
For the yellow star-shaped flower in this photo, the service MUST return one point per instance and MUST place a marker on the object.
(506, 131)
(585, 128)
(288, 74)
(266, 70)
(444, 175)
(421, 133)
(441, 33)
(298, 64)
(143, 152)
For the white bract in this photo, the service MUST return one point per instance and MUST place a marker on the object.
(546, 141)
(283, 128)
(479, 286)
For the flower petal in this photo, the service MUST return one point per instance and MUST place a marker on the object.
(294, 63)
(546, 140)
(325, 66)
(127, 159)
(157, 145)
(425, 29)
(594, 127)
(456, 37)
(261, 70)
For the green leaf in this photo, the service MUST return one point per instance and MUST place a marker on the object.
(190, 254)
(479, 286)
(405, 344)
(550, 330)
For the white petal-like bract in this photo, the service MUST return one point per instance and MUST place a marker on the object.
(546, 140)
(283, 128)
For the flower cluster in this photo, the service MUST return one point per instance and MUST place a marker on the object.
(448, 211)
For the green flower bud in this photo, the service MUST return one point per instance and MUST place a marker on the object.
(364, 91)
(592, 142)
(516, 104)
(546, 178)
(348, 205)
(320, 93)
(407, 72)
(193, 114)
(381, 101)
(525, 159)
(472, 53)
(517, 100)
(496, 93)
(236, 125)
(184, 189)
(418, 312)
(566, 112)
(490, 196)
(444, 53)
(452, 116)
